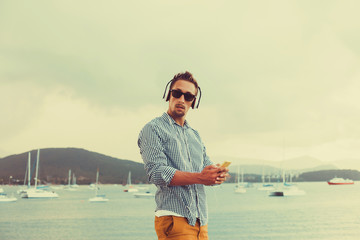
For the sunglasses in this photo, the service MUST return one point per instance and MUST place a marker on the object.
(177, 94)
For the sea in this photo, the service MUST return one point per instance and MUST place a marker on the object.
(324, 212)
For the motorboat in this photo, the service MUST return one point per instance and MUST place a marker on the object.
(276, 194)
(98, 198)
(340, 181)
(144, 195)
(5, 198)
(39, 193)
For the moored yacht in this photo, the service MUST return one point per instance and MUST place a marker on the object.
(37, 191)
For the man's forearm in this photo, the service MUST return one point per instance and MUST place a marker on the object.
(208, 176)
(185, 178)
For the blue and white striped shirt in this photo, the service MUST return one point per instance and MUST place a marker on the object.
(165, 147)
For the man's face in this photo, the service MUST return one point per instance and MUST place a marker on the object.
(178, 107)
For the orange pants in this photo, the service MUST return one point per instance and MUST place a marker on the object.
(178, 228)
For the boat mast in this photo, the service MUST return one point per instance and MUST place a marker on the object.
(29, 171)
(97, 180)
(129, 179)
(37, 168)
(69, 178)
(238, 176)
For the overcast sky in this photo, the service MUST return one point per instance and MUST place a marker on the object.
(280, 79)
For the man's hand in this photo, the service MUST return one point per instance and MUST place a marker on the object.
(211, 175)
(224, 175)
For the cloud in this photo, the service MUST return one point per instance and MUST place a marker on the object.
(65, 120)
(268, 72)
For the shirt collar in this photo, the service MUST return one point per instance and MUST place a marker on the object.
(168, 118)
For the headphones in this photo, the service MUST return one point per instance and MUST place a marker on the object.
(168, 95)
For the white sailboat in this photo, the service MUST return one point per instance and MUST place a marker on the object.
(287, 189)
(265, 186)
(291, 189)
(69, 187)
(36, 192)
(240, 187)
(74, 185)
(129, 187)
(98, 197)
(28, 174)
(278, 191)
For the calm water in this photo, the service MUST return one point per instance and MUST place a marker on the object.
(325, 212)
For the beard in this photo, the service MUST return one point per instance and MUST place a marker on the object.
(178, 112)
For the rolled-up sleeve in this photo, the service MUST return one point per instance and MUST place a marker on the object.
(155, 160)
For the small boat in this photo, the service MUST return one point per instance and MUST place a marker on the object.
(28, 175)
(98, 197)
(129, 187)
(239, 188)
(70, 187)
(144, 195)
(266, 187)
(39, 193)
(340, 181)
(5, 198)
(276, 194)
(293, 190)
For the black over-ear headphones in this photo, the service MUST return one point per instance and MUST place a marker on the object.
(168, 95)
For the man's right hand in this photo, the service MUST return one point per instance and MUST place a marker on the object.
(211, 175)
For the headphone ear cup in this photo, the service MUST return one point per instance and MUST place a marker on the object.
(193, 104)
(168, 97)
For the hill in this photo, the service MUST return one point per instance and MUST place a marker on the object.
(56, 162)
(326, 175)
(293, 165)
(314, 176)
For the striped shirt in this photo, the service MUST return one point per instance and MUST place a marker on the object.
(165, 147)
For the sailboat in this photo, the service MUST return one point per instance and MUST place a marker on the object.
(98, 197)
(287, 189)
(37, 192)
(278, 191)
(70, 187)
(265, 186)
(291, 189)
(130, 188)
(28, 174)
(74, 185)
(240, 187)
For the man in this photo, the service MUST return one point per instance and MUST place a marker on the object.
(176, 162)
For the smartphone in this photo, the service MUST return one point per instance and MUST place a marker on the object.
(225, 164)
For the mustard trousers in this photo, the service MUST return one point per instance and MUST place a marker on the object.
(178, 228)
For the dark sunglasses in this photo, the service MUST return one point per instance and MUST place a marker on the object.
(177, 94)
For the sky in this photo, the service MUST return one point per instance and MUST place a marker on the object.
(279, 79)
